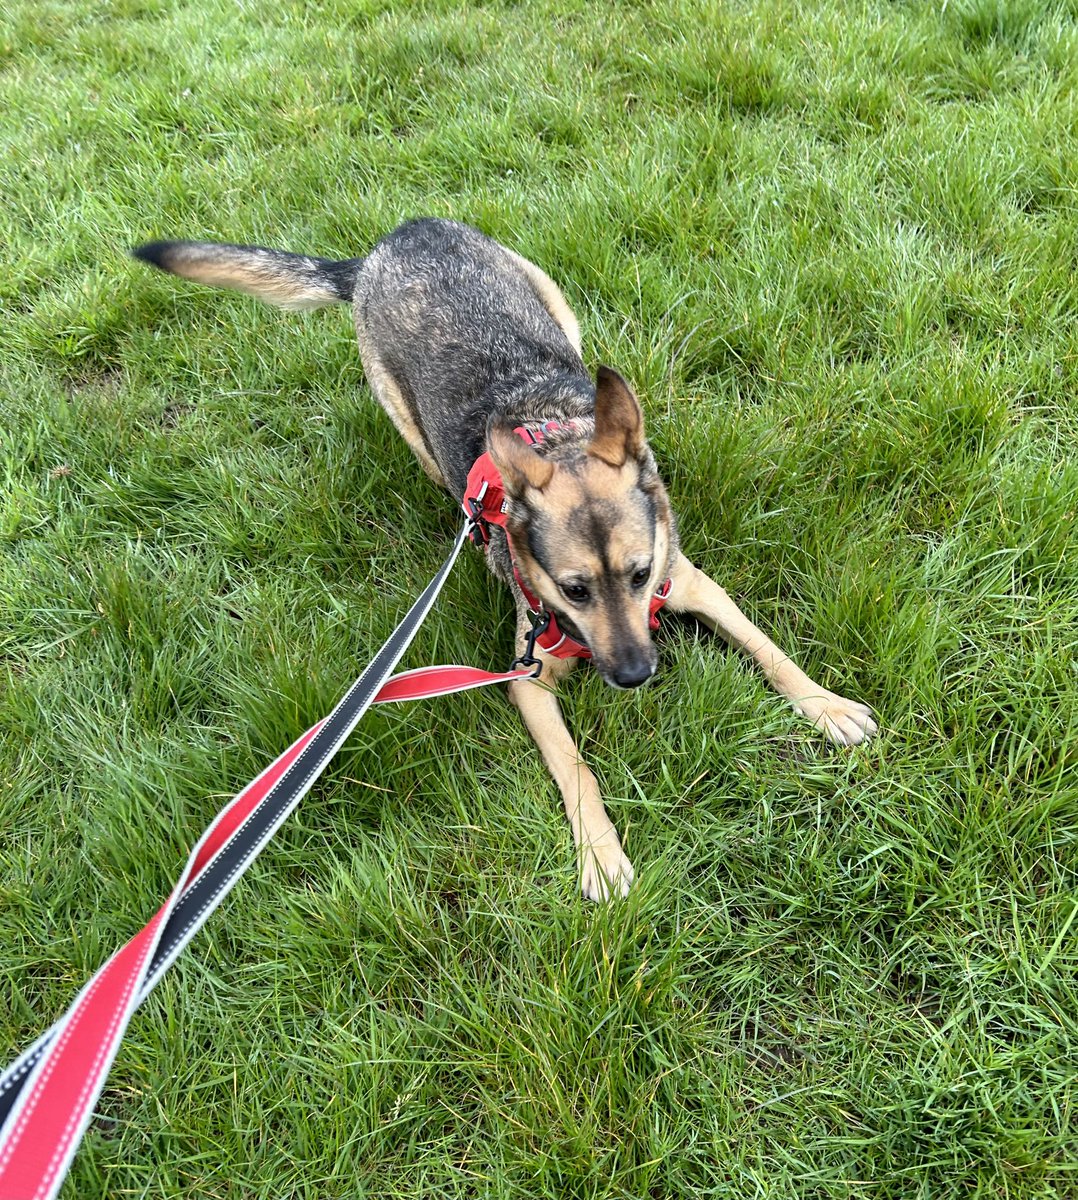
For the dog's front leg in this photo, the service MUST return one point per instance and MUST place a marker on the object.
(602, 867)
(845, 722)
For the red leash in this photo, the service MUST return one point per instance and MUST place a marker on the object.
(47, 1095)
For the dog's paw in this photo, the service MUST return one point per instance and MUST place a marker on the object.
(604, 869)
(844, 722)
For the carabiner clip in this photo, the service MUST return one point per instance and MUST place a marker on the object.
(478, 531)
(540, 623)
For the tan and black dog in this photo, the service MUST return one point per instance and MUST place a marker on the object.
(464, 342)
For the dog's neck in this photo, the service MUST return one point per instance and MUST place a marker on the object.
(532, 400)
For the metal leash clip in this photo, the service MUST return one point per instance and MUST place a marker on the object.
(540, 623)
(478, 532)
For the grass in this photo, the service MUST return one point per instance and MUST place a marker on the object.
(834, 246)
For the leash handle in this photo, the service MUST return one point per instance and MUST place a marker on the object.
(47, 1095)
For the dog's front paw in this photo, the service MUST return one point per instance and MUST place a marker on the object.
(604, 869)
(845, 722)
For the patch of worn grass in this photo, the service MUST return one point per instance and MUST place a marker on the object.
(834, 246)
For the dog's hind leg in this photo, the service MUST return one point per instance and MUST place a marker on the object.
(603, 869)
(845, 722)
(391, 398)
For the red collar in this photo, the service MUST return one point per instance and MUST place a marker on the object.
(485, 500)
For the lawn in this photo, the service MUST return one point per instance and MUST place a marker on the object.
(835, 247)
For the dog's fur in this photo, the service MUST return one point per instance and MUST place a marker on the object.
(462, 341)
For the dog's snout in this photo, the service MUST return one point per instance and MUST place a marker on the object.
(632, 672)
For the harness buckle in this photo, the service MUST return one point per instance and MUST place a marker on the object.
(540, 624)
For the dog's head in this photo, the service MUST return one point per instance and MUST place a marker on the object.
(592, 531)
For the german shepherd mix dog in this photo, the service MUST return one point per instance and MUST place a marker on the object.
(466, 345)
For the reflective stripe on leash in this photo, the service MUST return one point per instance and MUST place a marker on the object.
(47, 1095)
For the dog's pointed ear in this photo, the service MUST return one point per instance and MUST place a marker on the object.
(518, 463)
(619, 420)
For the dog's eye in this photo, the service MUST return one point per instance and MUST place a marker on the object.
(576, 592)
(641, 577)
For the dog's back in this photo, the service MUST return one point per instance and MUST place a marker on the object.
(462, 326)
(459, 325)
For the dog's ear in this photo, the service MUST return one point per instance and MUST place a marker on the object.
(619, 420)
(518, 463)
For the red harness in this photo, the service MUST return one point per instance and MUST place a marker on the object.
(485, 499)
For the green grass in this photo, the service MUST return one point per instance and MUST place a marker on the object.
(834, 245)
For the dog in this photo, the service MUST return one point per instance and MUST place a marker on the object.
(472, 350)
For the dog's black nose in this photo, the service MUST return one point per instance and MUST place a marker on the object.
(633, 672)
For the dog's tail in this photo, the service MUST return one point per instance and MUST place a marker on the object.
(287, 280)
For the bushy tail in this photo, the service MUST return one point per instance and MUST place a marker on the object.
(288, 280)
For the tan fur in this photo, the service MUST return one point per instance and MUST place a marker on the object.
(844, 721)
(520, 467)
(602, 867)
(552, 299)
(389, 397)
(264, 285)
(619, 421)
(629, 542)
